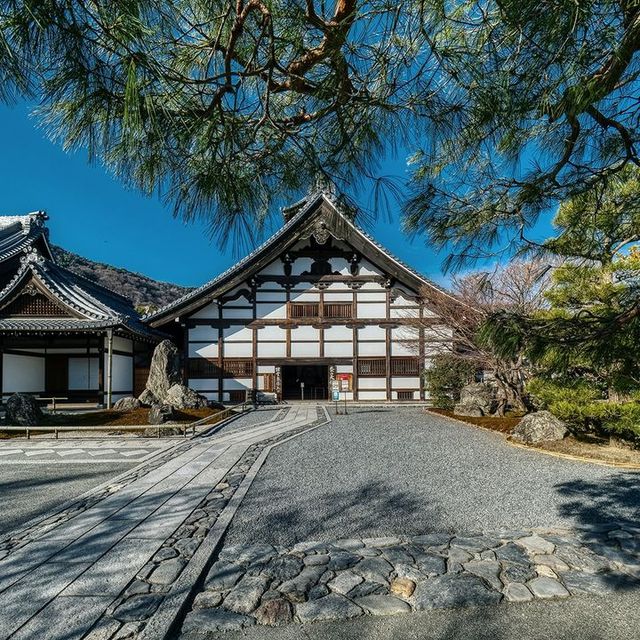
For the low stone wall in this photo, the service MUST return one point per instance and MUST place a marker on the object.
(263, 584)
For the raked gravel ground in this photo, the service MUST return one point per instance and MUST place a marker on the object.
(386, 471)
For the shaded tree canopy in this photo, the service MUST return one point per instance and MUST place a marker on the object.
(224, 107)
(593, 322)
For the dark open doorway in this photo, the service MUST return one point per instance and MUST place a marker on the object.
(314, 376)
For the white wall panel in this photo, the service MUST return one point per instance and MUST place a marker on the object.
(271, 310)
(271, 296)
(198, 384)
(300, 265)
(122, 376)
(199, 350)
(368, 269)
(401, 301)
(208, 311)
(372, 395)
(404, 313)
(404, 349)
(229, 384)
(203, 334)
(305, 333)
(272, 349)
(83, 374)
(275, 268)
(399, 382)
(22, 374)
(338, 332)
(372, 296)
(266, 368)
(372, 348)
(122, 344)
(236, 333)
(375, 310)
(305, 296)
(338, 349)
(272, 332)
(372, 332)
(438, 333)
(372, 383)
(338, 296)
(305, 349)
(231, 313)
(405, 333)
(338, 286)
(238, 350)
(344, 368)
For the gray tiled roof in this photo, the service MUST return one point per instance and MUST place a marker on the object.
(306, 207)
(17, 233)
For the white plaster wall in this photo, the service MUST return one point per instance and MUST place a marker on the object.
(372, 332)
(439, 332)
(338, 332)
(203, 334)
(229, 384)
(368, 269)
(338, 296)
(83, 374)
(198, 384)
(275, 268)
(22, 374)
(404, 313)
(272, 350)
(401, 301)
(372, 296)
(405, 333)
(236, 333)
(372, 383)
(404, 349)
(376, 310)
(122, 376)
(272, 332)
(338, 349)
(208, 311)
(231, 312)
(271, 310)
(266, 368)
(197, 350)
(305, 349)
(372, 349)
(305, 296)
(300, 265)
(122, 344)
(305, 333)
(270, 296)
(400, 382)
(344, 368)
(238, 350)
(371, 395)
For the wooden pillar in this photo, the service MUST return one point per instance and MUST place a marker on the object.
(220, 355)
(421, 351)
(185, 353)
(254, 334)
(101, 385)
(388, 344)
(354, 338)
(1, 371)
(109, 367)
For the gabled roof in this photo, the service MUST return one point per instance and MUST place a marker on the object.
(89, 305)
(20, 232)
(318, 208)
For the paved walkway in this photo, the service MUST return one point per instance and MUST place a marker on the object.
(85, 451)
(66, 576)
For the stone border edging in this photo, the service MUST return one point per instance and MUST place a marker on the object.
(553, 454)
(163, 624)
(24, 529)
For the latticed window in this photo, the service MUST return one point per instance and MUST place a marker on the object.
(304, 310)
(405, 366)
(238, 368)
(405, 395)
(37, 305)
(372, 367)
(203, 368)
(342, 310)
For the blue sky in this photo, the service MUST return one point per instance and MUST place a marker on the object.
(93, 215)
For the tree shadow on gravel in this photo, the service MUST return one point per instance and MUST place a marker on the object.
(272, 515)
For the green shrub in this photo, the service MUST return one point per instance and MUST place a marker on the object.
(545, 393)
(446, 377)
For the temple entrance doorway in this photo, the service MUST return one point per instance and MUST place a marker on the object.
(305, 382)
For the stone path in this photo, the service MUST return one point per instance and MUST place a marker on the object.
(103, 569)
(316, 581)
(81, 451)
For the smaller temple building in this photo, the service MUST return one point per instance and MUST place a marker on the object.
(61, 335)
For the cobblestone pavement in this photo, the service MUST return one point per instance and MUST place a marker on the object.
(84, 450)
(100, 567)
(318, 581)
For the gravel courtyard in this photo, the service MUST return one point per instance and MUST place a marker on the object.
(384, 471)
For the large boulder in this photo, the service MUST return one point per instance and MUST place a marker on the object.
(147, 398)
(164, 371)
(22, 410)
(181, 397)
(478, 399)
(127, 404)
(161, 413)
(541, 426)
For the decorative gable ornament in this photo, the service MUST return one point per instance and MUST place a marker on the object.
(320, 232)
(32, 256)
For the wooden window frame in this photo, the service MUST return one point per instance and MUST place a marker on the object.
(372, 367)
(318, 310)
(238, 368)
(405, 366)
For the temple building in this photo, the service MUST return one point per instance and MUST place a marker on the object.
(319, 306)
(61, 335)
